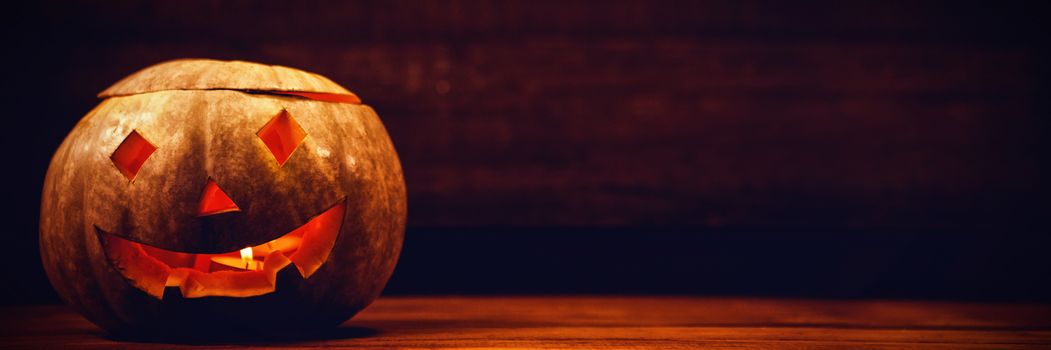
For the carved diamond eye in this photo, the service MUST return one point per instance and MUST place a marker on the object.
(131, 154)
(282, 135)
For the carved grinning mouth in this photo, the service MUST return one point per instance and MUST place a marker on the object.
(249, 272)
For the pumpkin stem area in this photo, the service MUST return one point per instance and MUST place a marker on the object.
(247, 272)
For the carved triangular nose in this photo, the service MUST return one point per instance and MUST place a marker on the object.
(215, 201)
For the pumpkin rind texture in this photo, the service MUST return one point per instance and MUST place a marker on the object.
(204, 117)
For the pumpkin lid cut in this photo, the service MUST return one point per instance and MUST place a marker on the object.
(205, 74)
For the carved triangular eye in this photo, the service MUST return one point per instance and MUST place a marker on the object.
(282, 135)
(131, 154)
(215, 201)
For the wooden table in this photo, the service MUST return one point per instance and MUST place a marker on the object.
(615, 322)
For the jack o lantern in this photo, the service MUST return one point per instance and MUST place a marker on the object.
(222, 196)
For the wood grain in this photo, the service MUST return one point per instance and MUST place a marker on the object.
(611, 323)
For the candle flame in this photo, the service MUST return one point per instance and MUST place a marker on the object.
(246, 256)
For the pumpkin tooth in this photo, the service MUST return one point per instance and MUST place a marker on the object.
(319, 236)
(135, 264)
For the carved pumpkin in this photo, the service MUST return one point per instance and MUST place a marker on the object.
(222, 196)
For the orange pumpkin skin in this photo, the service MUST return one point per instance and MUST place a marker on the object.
(205, 119)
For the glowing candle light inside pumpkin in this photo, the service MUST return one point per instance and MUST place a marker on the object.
(246, 257)
(245, 262)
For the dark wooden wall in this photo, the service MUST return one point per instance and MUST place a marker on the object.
(652, 123)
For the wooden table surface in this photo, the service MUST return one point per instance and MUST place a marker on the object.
(613, 322)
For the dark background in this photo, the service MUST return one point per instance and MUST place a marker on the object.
(883, 149)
